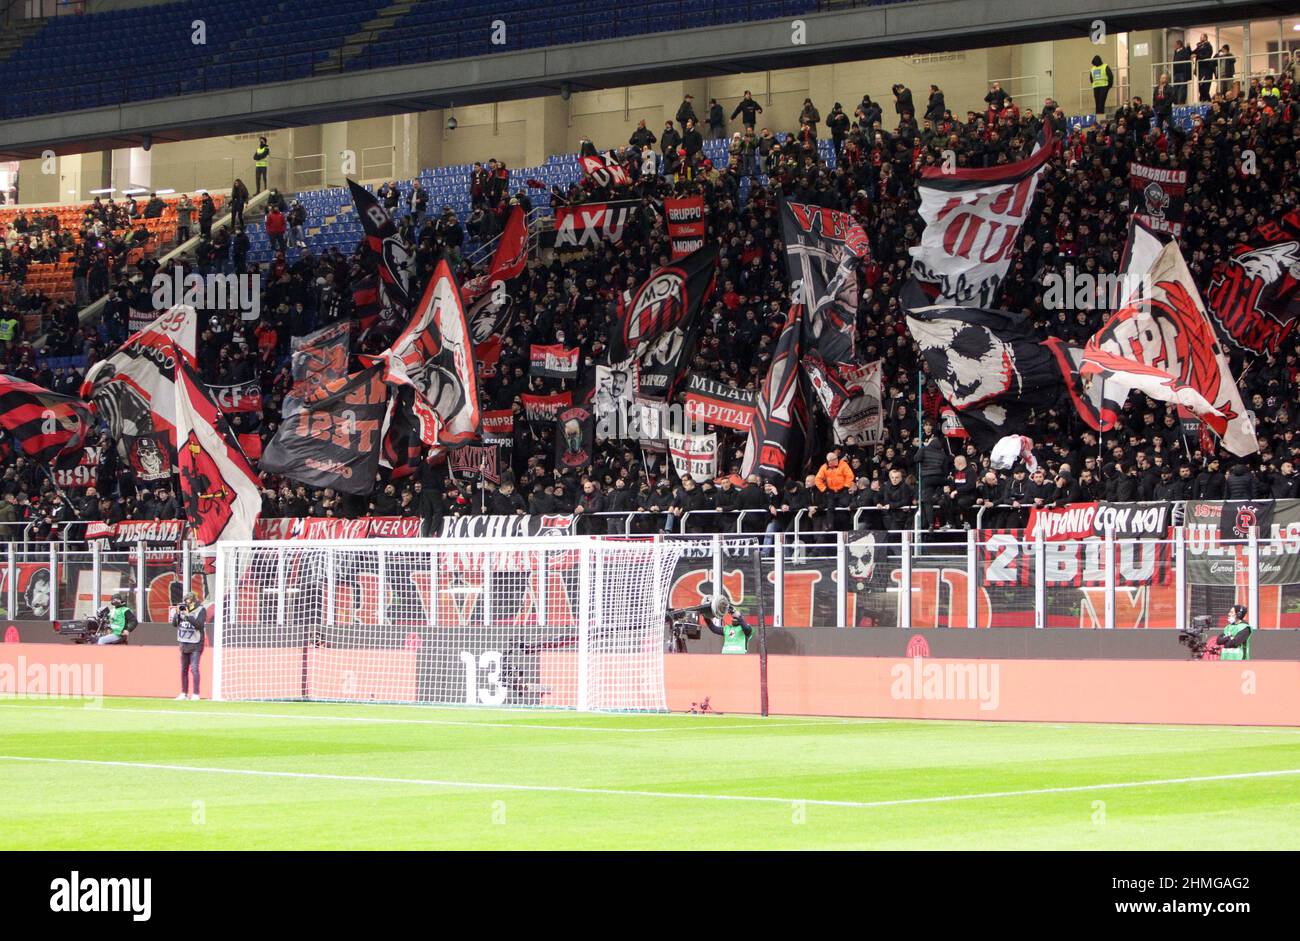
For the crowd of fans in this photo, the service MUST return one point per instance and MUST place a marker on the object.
(1079, 218)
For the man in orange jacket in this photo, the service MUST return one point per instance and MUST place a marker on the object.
(835, 475)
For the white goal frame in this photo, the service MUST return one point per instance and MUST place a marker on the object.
(575, 622)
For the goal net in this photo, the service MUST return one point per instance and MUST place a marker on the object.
(563, 622)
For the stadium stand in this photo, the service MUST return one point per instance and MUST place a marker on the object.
(66, 65)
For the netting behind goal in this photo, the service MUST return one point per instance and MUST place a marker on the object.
(575, 623)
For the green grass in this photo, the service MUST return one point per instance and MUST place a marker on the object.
(426, 778)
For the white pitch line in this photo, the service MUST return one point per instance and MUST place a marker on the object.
(663, 795)
(390, 720)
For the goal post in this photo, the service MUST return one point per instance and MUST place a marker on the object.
(568, 622)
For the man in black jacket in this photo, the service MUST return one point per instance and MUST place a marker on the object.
(642, 136)
(748, 109)
(717, 120)
(900, 499)
(670, 139)
(686, 111)
(1206, 68)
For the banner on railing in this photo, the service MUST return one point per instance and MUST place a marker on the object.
(129, 532)
(1217, 534)
(717, 403)
(505, 527)
(326, 528)
(1081, 520)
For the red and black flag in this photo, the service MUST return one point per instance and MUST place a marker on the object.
(315, 361)
(776, 438)
(47, 428)
(989, 364)
(334, 441)
(1254, 299)
(553, 361)
(491, 295)
(659, 323)
(824, 249)
(604, 171)
(396, 266)
(220, 492)
(575, 430)
(435, 355)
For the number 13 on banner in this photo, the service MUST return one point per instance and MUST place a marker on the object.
(492, 693)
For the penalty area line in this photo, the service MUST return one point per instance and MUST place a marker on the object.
(658, 795)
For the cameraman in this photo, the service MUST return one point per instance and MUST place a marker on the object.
(190, 619)
(1234, 642)
(729, 624)
(121, 620)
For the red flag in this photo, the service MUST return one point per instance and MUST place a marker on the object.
(220, 492)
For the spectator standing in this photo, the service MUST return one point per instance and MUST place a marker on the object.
(207, 211)
(717, 120)
(184, 217)
(276, 223)
(1205, 67)
(748, 110)
(1182, 58)
(238, 199)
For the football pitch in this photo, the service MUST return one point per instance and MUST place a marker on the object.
(157, 774)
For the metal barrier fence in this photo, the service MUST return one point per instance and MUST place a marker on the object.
(866, 578)
(58, 581)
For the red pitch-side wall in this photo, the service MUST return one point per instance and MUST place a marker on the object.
(1258, 692)
(1142, 691)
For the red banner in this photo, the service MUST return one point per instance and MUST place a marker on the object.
(499, 428)
(685, 224)
(324, 528)
(554, 361)
(545, 407)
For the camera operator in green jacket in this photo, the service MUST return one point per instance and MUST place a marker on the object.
(1234, 642)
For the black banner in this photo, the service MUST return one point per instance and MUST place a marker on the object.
(823, 251)
(659, 323)
(334, 441)
(1159, 195)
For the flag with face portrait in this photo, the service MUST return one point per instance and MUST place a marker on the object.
(490, 296)
(988, 364)
(396, 266)
(824, 248)
(133, 390)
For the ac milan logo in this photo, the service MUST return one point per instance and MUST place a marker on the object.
(659, 306)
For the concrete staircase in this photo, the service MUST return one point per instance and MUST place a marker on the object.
(16, 35)
(359, 41)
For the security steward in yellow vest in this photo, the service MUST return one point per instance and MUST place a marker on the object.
(1101, 78)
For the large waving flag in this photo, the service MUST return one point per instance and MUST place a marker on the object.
(334, 439)
(659, 322)
(491, 295)
(396, 266)
(823, 250)
(1162, 343)
(220, 492)
(776, 436)
(48, 428)
(134, 389)
(972, 220)
(435, 356)
(1255, 297)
